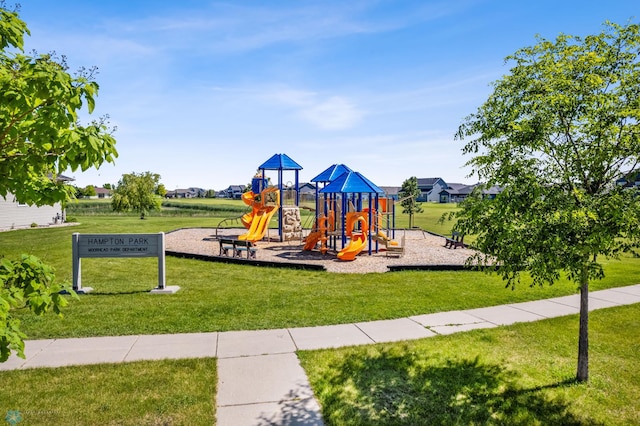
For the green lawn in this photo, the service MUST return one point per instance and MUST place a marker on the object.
(220, 297)
(512, 375)
(517, 375)
(171, 392)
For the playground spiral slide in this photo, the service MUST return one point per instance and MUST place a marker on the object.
(258, 219)
(358, 240)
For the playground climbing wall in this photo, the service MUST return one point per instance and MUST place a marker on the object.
(291, 223)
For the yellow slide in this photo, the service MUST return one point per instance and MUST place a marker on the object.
(356, 245)
(257, 220)
(381, 237)
(358, 241)
(259, 224)
(249, 199)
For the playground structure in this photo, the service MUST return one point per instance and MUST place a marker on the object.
(341, 215)
(351, 213)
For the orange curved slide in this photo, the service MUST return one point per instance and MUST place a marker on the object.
(249, 199)
(358, 241)
(312, 240)
(257, 220)
(356, 245)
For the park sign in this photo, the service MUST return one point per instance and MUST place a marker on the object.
(119, 245)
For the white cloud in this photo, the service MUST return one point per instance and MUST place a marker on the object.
(334, 113)
(326, 112)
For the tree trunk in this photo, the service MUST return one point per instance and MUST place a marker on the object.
(583, 341)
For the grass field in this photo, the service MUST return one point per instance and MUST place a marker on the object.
(517, 375)
(512, 375)
(220, 297)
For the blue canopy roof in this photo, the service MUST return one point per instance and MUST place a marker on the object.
(350, 183)
(331, 173)
(280, 162)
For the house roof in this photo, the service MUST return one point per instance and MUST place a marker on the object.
(428, 181)
(102, 190)
(458, 189)
(236, 188)
(307, 188)
(391, 190)
(461, 189)
(456, 186)
(351, 183)
(280, 162)
(331, 173)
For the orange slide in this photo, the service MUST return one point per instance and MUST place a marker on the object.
(358, 241)
(249, 199)
(320, 233)
(311, 240)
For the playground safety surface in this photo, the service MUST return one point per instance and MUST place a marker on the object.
(423, 250)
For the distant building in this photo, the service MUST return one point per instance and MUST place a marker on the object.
(307, 191)
(630, 179)
(234, 191)
(14, 214)
(457, 192)
(186, 193)
(430, 188)
(102, 193)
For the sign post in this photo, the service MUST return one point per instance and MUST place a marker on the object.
(119, 245)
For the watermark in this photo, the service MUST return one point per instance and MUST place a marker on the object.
(14, 417)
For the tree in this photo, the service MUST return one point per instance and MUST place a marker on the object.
(137, 192)
(40, 137)
(556, 133)
(161, 190)
(408, 195)
(89, 191)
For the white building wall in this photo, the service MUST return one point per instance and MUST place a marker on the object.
(14, 215)
(434, 194)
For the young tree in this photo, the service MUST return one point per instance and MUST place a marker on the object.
(161, 190)
(89, 191)
(408, 194)
(137, 192)
(557, 133)
(40, 137)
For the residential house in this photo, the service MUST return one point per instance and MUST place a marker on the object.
(183, 193)
(630, 179)
(307, 191)
(456, 192)
(430, 188)
(102, 193)
(14, 214)
(234, 191)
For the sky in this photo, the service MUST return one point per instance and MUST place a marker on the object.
(204, 92)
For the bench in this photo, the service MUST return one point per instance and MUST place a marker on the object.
(236, 248)
(456, 240)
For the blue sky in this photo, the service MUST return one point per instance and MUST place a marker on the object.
(203, 92)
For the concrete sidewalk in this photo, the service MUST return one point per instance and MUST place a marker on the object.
(260, 380)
